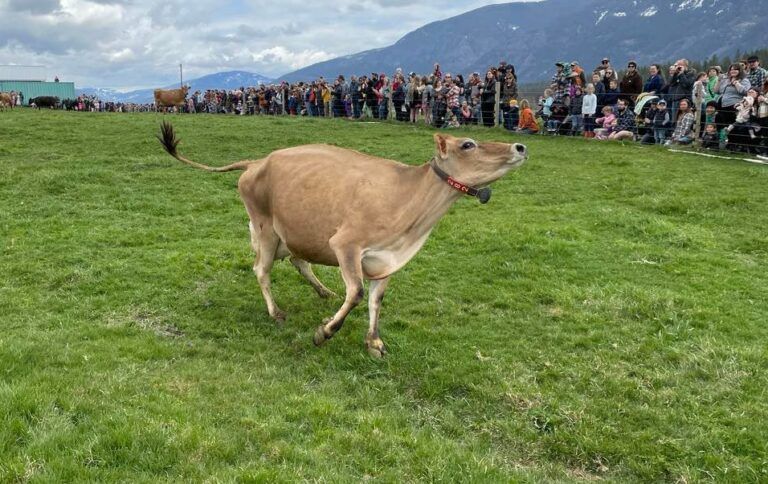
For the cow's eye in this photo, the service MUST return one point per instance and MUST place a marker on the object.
(468, 145)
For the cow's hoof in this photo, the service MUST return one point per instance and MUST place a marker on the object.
(279, 316)
(376, 348)
(327, 293)
(319, 338)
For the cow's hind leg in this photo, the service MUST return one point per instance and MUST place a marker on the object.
(350, 263)
(305, 269)
(373, 342)
(265, 243)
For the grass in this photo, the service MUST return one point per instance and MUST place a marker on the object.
(603, 317)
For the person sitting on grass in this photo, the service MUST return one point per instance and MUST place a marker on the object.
(625, 125)
(605, 123)
(683, 134)
(527, 124)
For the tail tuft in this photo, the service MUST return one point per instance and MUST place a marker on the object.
(168, 138)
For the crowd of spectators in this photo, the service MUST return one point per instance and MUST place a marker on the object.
(721, 109)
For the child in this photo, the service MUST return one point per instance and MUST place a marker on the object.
(588, 110)
(546, 104)
(466, 113)
(452, 121)
(743, 113)
(559, 111)
(605, 123)
(660, 123)
(710, 139)
(577, 118)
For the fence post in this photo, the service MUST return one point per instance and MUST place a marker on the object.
(496, 104)
(697, 100)
(391, 105)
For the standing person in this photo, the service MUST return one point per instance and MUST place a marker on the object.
(559, 84)
(762, 119)
(655, 81)
(354, 96)
(508, 93)
(756, 74)
(577, 118)
(437, 73)
(452, 91)
(680, 86)
(527, 123)
(475, 86)
(600, 70)
(398, 97)
(488, 99)
(588, 110)
(427, 98)
(710, 89)
(631, 84)
(608, 76)
(413, 97)
(597, 82)
(732, 89)
(383, 95)
(624, 128)
(660, 123)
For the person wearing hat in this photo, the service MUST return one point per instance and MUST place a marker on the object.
(600, 69)
(756, 74)
(560, 81)
(579, 78)
(713, 78)
(661, 122)
(631, 83)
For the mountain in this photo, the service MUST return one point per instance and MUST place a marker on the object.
(221, 80)
(532, 36)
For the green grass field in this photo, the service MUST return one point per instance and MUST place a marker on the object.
(603, 317)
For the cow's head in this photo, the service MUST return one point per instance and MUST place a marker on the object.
(185, 89)
(475, 163)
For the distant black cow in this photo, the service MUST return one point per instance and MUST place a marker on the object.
(45, 102)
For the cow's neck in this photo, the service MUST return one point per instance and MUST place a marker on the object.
(430, 200)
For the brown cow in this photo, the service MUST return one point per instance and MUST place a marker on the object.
(327, 205)
(6, 100)
(171, 97)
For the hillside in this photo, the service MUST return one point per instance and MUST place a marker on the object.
(532, 36)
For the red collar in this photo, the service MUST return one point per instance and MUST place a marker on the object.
(482, 194)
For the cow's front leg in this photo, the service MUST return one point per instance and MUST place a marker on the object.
(374, 344)
(350, 263)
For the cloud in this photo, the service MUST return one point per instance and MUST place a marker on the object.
(36, 7)
(131, 43)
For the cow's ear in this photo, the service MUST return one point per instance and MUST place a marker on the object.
(441, 145)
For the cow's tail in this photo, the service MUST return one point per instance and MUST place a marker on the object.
(169, 141)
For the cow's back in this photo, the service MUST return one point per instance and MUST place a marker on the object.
(310, 192)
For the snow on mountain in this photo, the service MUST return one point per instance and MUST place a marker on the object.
(533, 35)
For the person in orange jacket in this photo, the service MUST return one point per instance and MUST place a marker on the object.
(527, 123)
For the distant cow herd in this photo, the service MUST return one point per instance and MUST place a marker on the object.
(164, 98)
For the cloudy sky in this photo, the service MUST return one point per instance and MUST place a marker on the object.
(130, 44)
